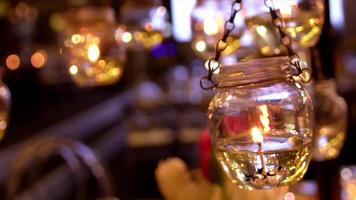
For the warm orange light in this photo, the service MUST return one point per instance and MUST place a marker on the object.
(148, 27)
(38, 59)
(93, 53)
(256, 134)
(13, 61)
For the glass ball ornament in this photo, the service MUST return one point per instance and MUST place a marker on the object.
(5, 100)
(208, 20)
(261, 124)
(89, 46)
(330, 120)
(143, 24)
(302, 22)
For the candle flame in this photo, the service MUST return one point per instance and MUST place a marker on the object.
(257, 136)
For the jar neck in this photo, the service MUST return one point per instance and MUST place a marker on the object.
(254, 71)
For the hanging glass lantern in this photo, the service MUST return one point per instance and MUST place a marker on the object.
(330, 120)
(261, 123)
(93, 56)
(302, 22)
(143, 24)
(5, 98)
(208, 20)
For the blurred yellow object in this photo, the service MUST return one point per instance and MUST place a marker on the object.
(93, 55)
(176, 182)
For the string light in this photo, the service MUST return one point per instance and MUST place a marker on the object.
(13, 62)
(38, 59)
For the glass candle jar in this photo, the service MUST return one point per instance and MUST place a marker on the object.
(261, 124)
(208, 20)
(330, 120)
(144, 24)
(303, 21)
(94, 58)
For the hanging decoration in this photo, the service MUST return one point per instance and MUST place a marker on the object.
(302, 22)
(143, 24)
(330, 120)
(93, 56)
(208, 19)
(261, 117)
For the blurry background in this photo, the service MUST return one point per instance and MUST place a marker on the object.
(156, 109)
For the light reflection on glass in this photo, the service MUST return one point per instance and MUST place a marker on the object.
(94, 58)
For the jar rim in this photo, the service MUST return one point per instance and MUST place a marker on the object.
(254, 71)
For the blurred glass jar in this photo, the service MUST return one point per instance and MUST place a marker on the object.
(208, 20)
(261, 124)
(330, 120)
(5, 100)
(143, 24)
(303, 21)
(94, 58)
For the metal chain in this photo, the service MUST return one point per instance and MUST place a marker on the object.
(302, 72)
(213, 64)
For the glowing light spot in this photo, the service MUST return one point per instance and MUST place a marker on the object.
(93, 53)
(77, 38)
(126, 37)
(38, 59)
(13, 61)
(346, 174)
(149, 27)
(161, 10)
(200, 46)
(73, 69)
(102, 63)
(286, 10)
(289, 196)
(3, 125)
(264, 118)
(211, 26)
(261, 30)
(214, 66)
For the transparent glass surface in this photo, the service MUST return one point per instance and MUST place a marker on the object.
(208, 20)
(303, 21)
(143, 24)
(261, 124)
(93, 56)
(5, 98)
(330, 120)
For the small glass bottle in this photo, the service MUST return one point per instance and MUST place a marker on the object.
(261, 124)
(330, 120)
(93, 55)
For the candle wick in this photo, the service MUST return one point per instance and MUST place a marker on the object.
(262, 159)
